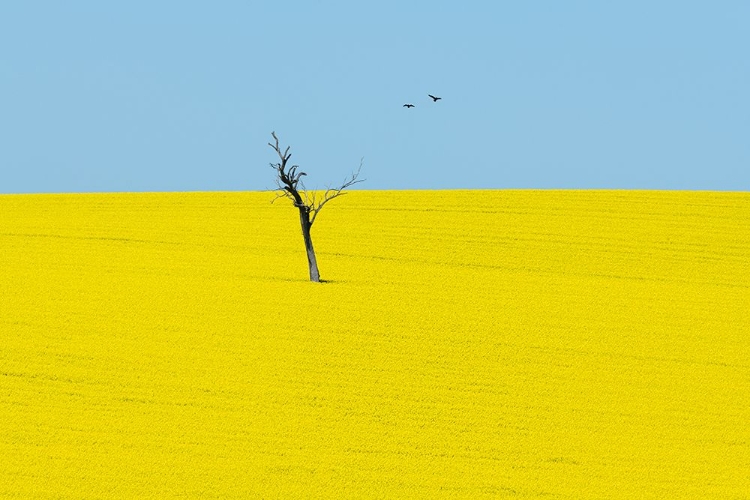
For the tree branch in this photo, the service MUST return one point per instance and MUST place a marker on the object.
(332, 193)
(289, 182)
(286, 181)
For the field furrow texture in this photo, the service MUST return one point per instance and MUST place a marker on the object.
(465, 344)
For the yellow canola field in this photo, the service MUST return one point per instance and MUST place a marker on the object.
(467, 344)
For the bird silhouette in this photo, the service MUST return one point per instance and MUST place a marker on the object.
(408, 105)
(434, 99)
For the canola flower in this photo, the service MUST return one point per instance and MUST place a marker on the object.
(466, 344)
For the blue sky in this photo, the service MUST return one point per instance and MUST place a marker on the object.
(183, 95)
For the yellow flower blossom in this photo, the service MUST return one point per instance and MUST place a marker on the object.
(465, 344)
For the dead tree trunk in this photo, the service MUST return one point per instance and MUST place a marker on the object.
(289, 183)
(312, 262)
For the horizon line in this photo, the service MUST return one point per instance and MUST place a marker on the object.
(195, 191)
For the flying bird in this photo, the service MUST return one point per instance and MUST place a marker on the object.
(408, 105)
(434, 99)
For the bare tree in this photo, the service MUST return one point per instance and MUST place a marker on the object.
(309, 204)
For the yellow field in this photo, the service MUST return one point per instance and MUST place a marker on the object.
(555, 344)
